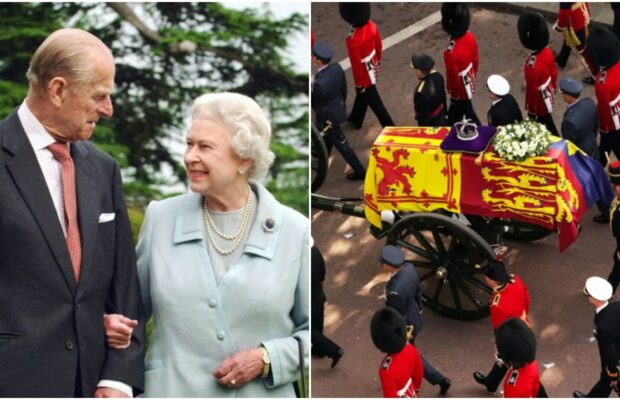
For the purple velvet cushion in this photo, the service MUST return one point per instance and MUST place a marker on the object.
(480, 143)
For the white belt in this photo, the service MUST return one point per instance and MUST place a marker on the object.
(403, 392)
(613, 105)
(544, 85)
(369, 57)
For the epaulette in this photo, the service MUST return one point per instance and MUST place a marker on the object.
(531, 61)
(351, 32)
(513, 377)
(496, 298)
(451, 44)
(421, 86)
(386, 362)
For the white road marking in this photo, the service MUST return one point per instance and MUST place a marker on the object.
(403, 34)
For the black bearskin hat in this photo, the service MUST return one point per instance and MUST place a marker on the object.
(388, 330)
(603, 47)
(516, 344)
(357, 14)
(496, 270)
(455, 19)
(533, 31)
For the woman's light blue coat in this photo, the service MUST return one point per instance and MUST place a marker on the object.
(197, 323)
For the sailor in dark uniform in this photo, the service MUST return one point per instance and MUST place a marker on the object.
(403, 294)
(607, 332)
(429, 97)
(329, 94)
(505, 109)
(614, 176)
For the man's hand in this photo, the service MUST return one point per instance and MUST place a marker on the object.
(240, 368)
(105, 392)
(118, 330)
(557, 28)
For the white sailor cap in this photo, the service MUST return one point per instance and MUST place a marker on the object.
(598, 288)
(498, 85)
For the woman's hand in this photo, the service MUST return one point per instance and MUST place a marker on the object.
(118, 330)
(240, 368)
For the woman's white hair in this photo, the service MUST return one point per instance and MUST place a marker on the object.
(249, 128)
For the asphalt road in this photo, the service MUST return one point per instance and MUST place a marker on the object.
(561, 316)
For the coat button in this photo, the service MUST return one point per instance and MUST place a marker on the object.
(212, 303)
(69, 345)
(221, 335)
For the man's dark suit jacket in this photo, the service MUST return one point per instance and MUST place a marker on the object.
(505, 112)
(50, 327)
(329, 95)
(403, 293)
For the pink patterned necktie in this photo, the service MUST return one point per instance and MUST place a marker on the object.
(61, 154)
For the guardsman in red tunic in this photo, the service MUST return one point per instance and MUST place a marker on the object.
(401, 369)
(511, 299)
(364, 47)
(540, 71)
(461, 60)
(516, 346)
(573, 20)
(604, 50)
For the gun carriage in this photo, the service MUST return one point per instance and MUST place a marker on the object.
(450, 228)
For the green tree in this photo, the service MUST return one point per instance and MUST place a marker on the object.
(168, 54)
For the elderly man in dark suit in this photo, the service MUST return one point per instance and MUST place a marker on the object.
(607, 332)
(66, 248)
(505, 109)
(580, 126)
(403, 294)
(329, 95)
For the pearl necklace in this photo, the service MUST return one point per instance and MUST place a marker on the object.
(236, 237)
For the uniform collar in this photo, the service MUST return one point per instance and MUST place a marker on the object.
(598, 310)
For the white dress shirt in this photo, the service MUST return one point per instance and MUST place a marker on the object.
(39, 139)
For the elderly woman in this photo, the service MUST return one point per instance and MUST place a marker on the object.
(223, 270)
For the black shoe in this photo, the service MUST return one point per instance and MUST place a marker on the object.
(577, 394)
(355, 176)
(482, 379)
(588, 80)
(337, 357)
(601, 219)
(444, 386)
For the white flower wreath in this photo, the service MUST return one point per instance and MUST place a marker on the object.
(516, 142)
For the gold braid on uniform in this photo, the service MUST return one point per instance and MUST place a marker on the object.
(612, 209)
